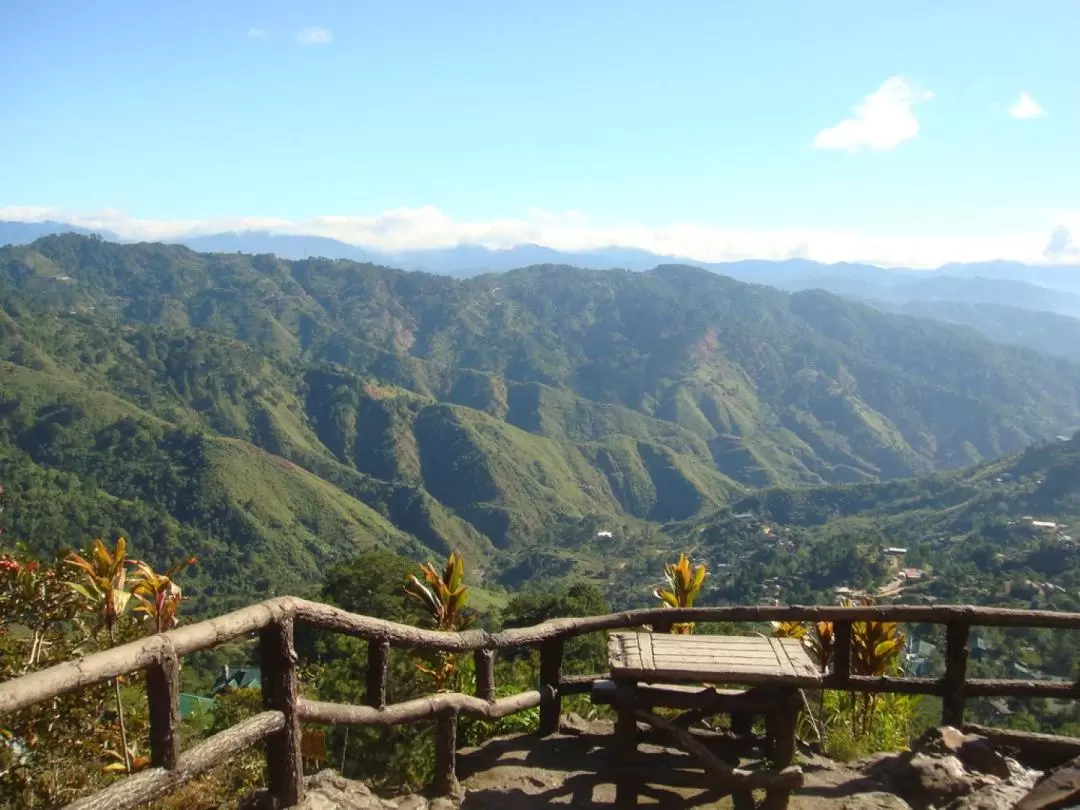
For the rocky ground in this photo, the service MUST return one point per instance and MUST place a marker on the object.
(946, 769)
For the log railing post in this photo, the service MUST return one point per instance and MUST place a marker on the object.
(378, 659)
(551, 654)
(163, 700)
(842, 654)
(446, 783)
(485, 674)
(956, 656)
(285, 771)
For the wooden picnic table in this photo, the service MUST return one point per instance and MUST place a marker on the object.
(650, 670)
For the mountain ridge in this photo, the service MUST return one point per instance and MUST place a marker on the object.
(429, 412)
(468, 260)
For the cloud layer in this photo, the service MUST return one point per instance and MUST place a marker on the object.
(428, 227)
(314, 35)
(1026, 107)
(884, 119)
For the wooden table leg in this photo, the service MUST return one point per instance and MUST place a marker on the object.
(626, 745)
(781, 732)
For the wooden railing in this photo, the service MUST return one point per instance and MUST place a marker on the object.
(284, 710)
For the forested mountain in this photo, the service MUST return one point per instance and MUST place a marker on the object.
(1006, 532)
(278, 415)
(965, 281)
(1046, 332)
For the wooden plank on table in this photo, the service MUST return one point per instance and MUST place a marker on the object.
(764, 657)
(782, 658)
(800, 659)
(718, 655)
(712, 642)
(645, 650)
(715, 665)
(616, 659)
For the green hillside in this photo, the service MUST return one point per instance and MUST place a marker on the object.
(279, 415)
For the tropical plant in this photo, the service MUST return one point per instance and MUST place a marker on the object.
(445, 597)
(875, 651)
(157, 594)
(104, 576)
(683, 588)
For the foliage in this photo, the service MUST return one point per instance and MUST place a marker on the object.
(894, 726)
(875, 651)
(64, 747)
(165, 393)
(158, 595)
(683, 588)
(444, 595)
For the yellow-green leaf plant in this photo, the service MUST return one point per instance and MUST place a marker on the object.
(103, 576)
(683, 588)
(445, 597)
(157, 594)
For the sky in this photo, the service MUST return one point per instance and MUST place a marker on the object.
(912, 133)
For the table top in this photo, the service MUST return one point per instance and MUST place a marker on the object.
(662, 657)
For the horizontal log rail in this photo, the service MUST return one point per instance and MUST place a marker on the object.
(273, 621)
(154, 783)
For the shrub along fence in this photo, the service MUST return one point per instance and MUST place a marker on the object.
(284, 710)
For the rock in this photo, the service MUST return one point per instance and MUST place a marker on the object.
(928, 779)
(874, 800)
(1057, 788)
(976, 753)
(409, 803)
(574, 724)
(329, 790)
(991, 797)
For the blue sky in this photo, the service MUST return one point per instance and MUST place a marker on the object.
(708, 127)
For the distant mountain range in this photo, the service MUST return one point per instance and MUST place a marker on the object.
(470, 260)
(1005, 301)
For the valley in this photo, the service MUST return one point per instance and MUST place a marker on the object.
(279, 416)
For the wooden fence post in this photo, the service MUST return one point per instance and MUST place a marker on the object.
(378, 659)
(841, 654)
(956, 656)
(485, 674)
(163, 699)
(285, 770)
(446, 782)
(551, 654)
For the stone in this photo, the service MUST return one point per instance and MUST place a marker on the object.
(976, 753)
(329, 790)
(873, 800)
(926, 779)
(979, 755)
(991, 797)
(411, 802)
(1057, 788)
(574, 724)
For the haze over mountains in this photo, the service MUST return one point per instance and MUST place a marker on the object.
(280, 414)
(1005, 301)
(470, 260)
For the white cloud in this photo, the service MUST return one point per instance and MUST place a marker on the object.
(883, 120)
(258, 33)
(428, 227)
(314, 35)
(1026, 107)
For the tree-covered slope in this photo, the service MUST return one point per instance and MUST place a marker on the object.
(343, 404)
